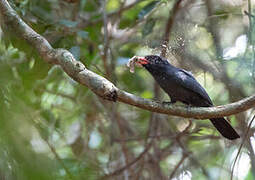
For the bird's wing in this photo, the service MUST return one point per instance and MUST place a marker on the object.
(187, 80)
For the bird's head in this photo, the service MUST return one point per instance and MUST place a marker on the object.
(153, 63)
(151, 60)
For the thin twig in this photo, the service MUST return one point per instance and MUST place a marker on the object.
(239, 150)
(251, 37)
(249, 14)
(115, 117)
(189, 153)
(106, 40)
(169, 26)
(212, 29)
(86, 23)
(123, 143)
(130, 164)
(178, 165)
(146, 149)
(59, 159)
(53, 150)
(64, 95)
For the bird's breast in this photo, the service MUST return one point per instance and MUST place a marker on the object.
(171, 86)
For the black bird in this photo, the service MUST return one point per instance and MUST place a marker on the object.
(180, 85)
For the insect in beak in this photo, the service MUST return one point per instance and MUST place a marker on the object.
(136, 61)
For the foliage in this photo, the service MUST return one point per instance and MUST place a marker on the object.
(53, 128)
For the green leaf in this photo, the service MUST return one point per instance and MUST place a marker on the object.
(249, 176)
(112, 5)
(48, 115)
(40, 69)
(148, 27)
(83, 34)
(6, 70)
(147, 9)
(68, 23)
(76, 51)
(82, 3)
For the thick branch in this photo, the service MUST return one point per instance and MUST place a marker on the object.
(101, 86)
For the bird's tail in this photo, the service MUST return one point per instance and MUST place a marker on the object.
(225, 128)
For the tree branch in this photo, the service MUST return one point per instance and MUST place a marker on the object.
(178, 165)
(85, 22)
(169, 26)
(101, 86)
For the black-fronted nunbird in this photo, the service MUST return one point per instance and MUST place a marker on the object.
(180, 85)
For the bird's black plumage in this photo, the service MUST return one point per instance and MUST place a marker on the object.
(180, 85)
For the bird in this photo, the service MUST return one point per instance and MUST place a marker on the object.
(181, 85)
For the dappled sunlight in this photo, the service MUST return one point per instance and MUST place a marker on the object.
(237, 50)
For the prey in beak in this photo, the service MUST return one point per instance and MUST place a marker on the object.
(136, 61)
(142, 60)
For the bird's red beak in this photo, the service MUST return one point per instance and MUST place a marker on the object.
(142, 60)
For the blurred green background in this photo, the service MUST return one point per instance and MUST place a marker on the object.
(51, 127)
